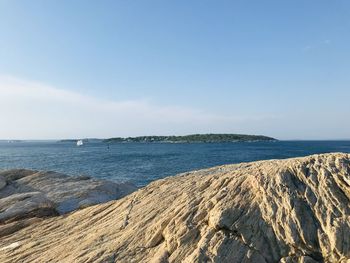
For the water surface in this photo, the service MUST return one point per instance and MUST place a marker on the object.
(142, 163)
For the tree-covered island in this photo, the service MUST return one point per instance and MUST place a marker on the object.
(193, 138)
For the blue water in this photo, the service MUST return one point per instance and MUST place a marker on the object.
(143, 163)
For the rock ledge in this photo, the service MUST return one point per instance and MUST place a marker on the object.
(293, 210)
(26, 196)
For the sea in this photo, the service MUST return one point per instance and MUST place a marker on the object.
(142, 163)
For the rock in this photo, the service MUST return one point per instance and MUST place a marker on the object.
(70, 193)
(14, 174)
(66, 192)
(2, 182)
(9, 228)
(30, 194)
(293, 210)
(25, 205)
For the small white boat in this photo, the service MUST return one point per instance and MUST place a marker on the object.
(80, 143)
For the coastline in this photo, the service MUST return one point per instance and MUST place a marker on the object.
(204, 214)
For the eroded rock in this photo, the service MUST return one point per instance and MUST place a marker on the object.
(293, 210)
(30, 194)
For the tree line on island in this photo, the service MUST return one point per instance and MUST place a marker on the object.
(193, 138)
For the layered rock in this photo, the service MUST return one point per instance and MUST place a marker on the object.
(294, 210)
(26, 194)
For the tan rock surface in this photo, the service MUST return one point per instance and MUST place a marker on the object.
(294, 210)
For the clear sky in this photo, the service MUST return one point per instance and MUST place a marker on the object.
(124, 68)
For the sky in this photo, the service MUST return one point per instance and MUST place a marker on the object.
(78, 69)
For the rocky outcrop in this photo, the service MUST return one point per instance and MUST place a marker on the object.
(294, 210)
(26, 194)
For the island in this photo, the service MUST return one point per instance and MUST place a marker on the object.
(193, 138)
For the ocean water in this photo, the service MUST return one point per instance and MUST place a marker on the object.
(142, 163)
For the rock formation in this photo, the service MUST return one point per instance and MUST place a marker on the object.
(27, 195)
(293, 210)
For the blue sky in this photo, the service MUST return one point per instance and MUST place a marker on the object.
(280, 68)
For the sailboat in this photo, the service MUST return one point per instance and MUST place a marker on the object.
(80, 143)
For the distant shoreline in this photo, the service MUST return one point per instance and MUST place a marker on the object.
(193, 138)
(102, 140)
